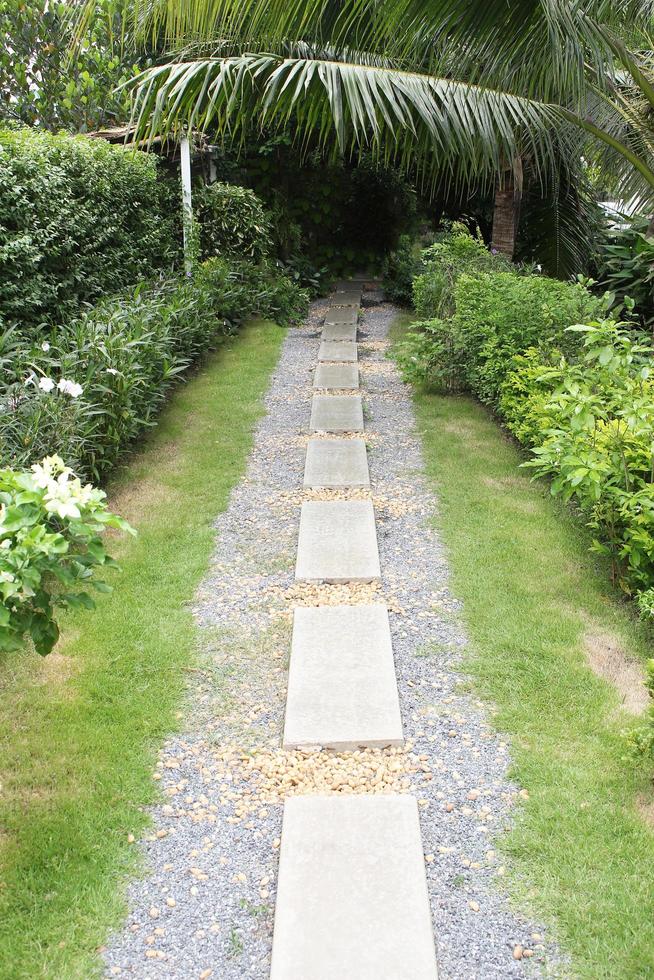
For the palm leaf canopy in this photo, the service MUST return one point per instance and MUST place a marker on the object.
(446, 87)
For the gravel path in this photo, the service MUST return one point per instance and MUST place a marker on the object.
(205, 907)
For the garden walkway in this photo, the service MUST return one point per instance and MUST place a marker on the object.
(335, 820)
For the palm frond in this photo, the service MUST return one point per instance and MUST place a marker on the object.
(419, 121)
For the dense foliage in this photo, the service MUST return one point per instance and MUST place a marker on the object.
(233, 221)
(94, 384)
(46, 84)
(477, 311)
(333, 216)
(50, 544)
(626, 266)
(78, 218)
(570, 384)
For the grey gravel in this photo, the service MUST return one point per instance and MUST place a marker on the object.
(222, 924)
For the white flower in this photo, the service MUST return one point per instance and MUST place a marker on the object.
(45, 346)
(6, 577)
(539, 267)
(112, 371)
(70, 388)
(43, 473)
(59, 499)
(46, 384)
(6, 543)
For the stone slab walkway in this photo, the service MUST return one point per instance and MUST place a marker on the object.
(342, 692)
(336, 413)
(336, 350)
(205, 904)
(336, 376)
(352, 897)
(337, 542)
(336, 464)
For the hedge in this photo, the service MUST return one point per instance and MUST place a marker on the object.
(87, 389)
(78, 218)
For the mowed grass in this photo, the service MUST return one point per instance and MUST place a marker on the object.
(534, 600)
(80, 730)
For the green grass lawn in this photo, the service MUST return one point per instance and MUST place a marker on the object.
(80, 730)
(534, 602)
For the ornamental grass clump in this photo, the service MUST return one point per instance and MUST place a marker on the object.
(51, 528)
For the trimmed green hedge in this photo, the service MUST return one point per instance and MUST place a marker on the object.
(90, 388)
(78, 218)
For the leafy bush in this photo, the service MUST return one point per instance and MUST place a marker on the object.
(233, 221)
(590, 425)
(501, 314)
(497, 316)
(445, 261)
(399, 270)
(50, 545)
(96, 383)
(78, 218)
(626, 267)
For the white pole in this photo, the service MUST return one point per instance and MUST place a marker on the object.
(187, 204)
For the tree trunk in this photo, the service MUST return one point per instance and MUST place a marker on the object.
(506, 213)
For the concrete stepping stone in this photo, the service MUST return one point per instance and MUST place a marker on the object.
(341, 314)
(336, 413)
(352, 898)
(346, 299)
(342, 692)
(336, 376)
(339, 331)
(337, 542)
(337, 350)
(336, 463)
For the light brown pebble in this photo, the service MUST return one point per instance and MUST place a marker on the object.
(474, 906)
(154, 912)
(171, 903)
(517, 952)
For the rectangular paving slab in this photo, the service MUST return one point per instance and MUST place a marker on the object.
(342, 314)
(339, 331)
(336, 376)
(337, 350)
(337, 542)
(352, 895)
(342, 691)
(336, 413)
(336, 463)
(346, 299)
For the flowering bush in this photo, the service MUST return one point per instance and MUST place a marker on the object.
(92, 388)
(50, 543)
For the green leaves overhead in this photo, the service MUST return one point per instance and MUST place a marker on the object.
(449, 125)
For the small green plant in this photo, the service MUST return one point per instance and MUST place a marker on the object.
(50, 544)
(640, 740)
(235, 943)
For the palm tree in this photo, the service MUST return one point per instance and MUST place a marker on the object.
(446, 88)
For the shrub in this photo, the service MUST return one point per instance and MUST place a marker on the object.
(399, 270)
(458, 253)
(50, 544)
(597, 444)
(233, 221)
(78, 218)
(498, 316)
(94, 385)
(626, 266)
(501, 314)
